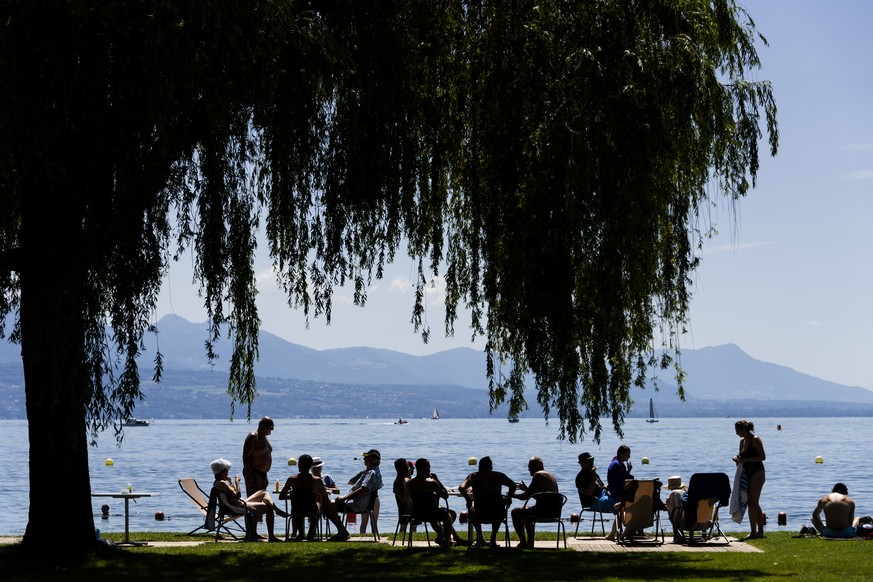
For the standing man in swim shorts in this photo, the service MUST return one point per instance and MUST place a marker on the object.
(258, 456)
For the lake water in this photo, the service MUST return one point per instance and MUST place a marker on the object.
(153, 458)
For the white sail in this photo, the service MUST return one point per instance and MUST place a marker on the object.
(436, 414)
(652, 417)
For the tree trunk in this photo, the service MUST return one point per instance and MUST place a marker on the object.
(60, 485)
(55, 375)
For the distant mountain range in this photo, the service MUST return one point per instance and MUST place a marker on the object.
(295, 381)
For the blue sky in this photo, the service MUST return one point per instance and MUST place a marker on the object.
(790, 274)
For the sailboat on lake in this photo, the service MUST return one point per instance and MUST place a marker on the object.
(652, 417)
(436, 414)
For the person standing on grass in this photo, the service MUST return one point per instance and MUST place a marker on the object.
(752, 457)
(257, 456)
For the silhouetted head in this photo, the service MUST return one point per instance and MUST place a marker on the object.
(623, 453)
(746, 426)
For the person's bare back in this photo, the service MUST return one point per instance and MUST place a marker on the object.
(839, 510)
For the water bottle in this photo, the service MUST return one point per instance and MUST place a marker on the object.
(129, 488)
(97, 533)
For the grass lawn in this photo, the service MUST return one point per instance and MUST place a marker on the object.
(785, 557)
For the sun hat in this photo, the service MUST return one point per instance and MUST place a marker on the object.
(586, 456)
(675, 482)
(372, 453)
(219, 465)
(317, 462)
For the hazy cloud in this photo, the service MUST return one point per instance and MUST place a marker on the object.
(859, 175)
(434, 290)
(265, 276)
(400, 285)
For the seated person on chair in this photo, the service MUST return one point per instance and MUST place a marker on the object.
(592, 491)
(259, 503)
(618, 472)
(329, 484)
(404, 505)
(839, 510)
(541, 481)
(404, 474)
(423, 490)
(676, 496)
(357, 500)
(305, 480)
(487, 500)
(365, 518)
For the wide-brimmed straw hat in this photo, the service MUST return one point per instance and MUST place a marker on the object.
(675, 482)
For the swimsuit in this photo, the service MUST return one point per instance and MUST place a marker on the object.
(827, 532)
(751, 467)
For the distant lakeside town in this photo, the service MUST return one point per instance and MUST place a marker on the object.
(294, 381)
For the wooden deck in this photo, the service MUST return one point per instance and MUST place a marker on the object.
(581, 544)
(602, 545)
(588, 544)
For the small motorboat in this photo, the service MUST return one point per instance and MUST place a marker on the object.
(136, 422)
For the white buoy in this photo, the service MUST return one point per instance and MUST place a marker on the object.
(292, 461)
(472, 461)
(819, 460)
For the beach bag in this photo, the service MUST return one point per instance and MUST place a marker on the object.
(865, 527)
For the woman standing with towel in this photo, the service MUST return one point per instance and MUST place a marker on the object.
(752, 457)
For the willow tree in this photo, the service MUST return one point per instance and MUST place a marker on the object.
(551, 159)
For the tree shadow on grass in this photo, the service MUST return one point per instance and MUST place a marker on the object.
(361, 562)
